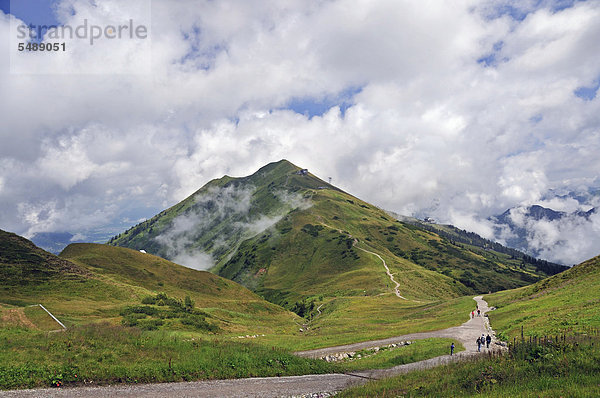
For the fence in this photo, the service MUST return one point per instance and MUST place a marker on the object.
(523, 347)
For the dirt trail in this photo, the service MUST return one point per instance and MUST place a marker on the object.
(308, 385)
(17, 317)
(387, 270)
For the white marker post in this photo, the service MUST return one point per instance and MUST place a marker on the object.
(53, 317)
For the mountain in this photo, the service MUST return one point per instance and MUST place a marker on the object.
(24, 264)
(471, 239)
(567, 302)
(544, 232)
(90, 282)
(291, 237)
(54, 242)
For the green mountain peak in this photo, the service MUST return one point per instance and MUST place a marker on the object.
(288, 235)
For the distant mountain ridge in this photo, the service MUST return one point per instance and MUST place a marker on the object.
(54, 242)
(471, 238)
(520, 226)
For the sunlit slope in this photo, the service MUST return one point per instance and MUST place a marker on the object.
(569, 301)
(227, 300)
(92, 282)
(317, 251)
(154, 273)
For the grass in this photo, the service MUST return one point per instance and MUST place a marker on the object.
(111, 278)
(353, 319)
(389, 357)
(41, 319)
(565, 302)
(567, 370)
(105, 353)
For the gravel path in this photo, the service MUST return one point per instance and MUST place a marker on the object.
(294, 386)
(466, 334)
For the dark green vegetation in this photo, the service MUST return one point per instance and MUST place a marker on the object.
(104, 353)
(163, 311)
(474, 241)
(24, 264)
(565, 302)
(557, 369)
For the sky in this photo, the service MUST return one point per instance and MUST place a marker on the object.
(458, 110)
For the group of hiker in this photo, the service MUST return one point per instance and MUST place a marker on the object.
(487, 340)
(482, 340)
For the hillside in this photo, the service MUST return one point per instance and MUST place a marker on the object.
(22, 263)
(562, 303)
(93, 282)
(290, 236)
(478, 244)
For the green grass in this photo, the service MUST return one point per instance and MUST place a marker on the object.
(560, 371)
(111, 278)
(104, 353)
(565, 302)
(40, 318)
(389, 357)
(351, 320)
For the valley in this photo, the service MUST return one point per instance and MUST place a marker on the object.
(238, 277)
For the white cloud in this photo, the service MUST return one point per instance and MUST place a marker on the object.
(431, 132)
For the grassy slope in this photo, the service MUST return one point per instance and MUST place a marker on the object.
(93, 282)
(101, 353)
(567, 301)
(569, 371)
(23, 264)
(238, 309)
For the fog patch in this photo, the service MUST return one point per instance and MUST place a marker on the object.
(220, 219)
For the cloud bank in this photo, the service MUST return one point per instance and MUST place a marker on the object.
(457, 110)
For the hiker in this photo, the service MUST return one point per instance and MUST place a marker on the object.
(478, 344)
(472, 314)
(488, 340)
(452, 348)
(478, 312)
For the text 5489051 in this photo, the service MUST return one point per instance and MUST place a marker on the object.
(42, 47)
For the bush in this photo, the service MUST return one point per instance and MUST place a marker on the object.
(312, 230)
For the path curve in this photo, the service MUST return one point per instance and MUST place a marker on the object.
(285, 386)
(466, 334)
(387, 270)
